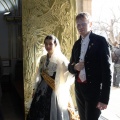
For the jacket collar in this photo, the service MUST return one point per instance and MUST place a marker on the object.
(91, 37)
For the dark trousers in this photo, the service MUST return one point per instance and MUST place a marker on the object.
(86, 108)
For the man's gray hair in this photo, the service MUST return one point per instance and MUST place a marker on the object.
(85, 15)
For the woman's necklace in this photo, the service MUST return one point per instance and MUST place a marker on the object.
(47, 60)
(47, 63)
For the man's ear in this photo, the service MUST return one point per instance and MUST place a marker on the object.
(90, 24)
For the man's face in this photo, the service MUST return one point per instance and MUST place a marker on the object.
(83, 26)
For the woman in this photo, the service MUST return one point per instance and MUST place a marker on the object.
(50, 101)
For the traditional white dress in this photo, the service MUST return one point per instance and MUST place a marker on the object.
(48, 104)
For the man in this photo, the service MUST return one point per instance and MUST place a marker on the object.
(116, 61)
(1, 115)
(91, 64)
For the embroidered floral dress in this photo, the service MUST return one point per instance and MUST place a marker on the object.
(45, 105)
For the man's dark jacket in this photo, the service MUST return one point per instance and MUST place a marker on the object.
(97, 63)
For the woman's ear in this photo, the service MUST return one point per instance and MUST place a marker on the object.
(55, 44)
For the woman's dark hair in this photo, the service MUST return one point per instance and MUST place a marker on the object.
(50, 37)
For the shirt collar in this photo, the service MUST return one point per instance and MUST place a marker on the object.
(87, 36)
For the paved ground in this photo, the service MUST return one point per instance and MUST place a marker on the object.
(113, 110)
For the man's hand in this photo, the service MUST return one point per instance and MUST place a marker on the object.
(79, 66)
(101, 106)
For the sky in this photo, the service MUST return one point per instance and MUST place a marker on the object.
(102, 9)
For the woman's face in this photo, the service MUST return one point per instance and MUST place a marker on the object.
(50, 46)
